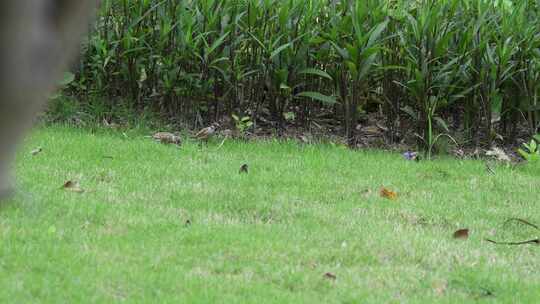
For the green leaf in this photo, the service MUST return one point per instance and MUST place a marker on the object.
(366, 66)
(318, 96)
(496, 105)
(376, 33)
(352, 68)
(55, 96)
(316, 72)
(410, 111)
(532, 108)
(217, 43)
(284, 86)
(279, 50)
(219, 60)
(523, 154)
(257, 40)
(52, 229)
(68, 78)
(342, 52)
(289, 116)
(442, 124)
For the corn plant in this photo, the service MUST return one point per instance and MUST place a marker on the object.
(471, 62)
(432, 66)
(359, 52)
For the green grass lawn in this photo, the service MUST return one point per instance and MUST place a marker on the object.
(268, 236)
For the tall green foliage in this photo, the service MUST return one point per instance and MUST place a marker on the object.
(417, 60)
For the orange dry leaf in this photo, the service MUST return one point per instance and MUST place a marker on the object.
(388, 194)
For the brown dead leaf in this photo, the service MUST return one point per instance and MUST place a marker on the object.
(243, 169)
(36, 151)
(330, 276)
(388, 194)
(462, 234)
(72, 186)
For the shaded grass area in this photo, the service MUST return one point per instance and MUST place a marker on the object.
(159, 223)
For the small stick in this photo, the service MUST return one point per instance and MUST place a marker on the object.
(533, 241)
(522, 221)
(222, 142)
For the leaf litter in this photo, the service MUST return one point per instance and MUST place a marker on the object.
(388, 194)
(462, 234)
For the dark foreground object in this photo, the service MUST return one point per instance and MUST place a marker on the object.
(37, 40)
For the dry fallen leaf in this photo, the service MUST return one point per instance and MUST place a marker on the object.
(72, 186)
(36, 151)
(461, 234)
(243, 169)
(330, 276)
(388, 194)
